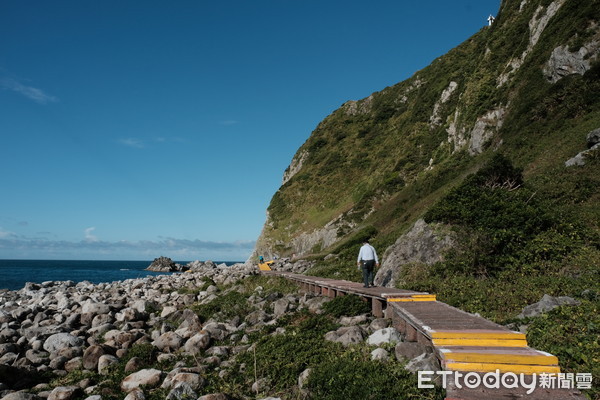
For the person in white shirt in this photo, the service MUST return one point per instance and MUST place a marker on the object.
(367, 258)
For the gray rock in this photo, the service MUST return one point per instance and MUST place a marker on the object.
(58, 362)
(261, 385)
(37, 357)
(379, 323)
(65, 393)
(94, 308)
(147, 377)
(546, 304)
(214, 396)
(74, 364)
(380, 354)
(384, 336)
(356, 320)
(280, 307)
(593, 138)
(347, 335)
(563, 62)
(181, 392)
(423, 243)
(104, 362)
(135, 394)
(315, 304)
(169, 341)
(424, 362)
(256, 317)
(162, 264)
(406, 351)
(20, 396)
(197, 343)
(8, 348)
(60, 341)
(91, 355)
(302, 380)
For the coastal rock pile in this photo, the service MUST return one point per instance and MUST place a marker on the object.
(53, 328)
(164, 264)
(59, 329)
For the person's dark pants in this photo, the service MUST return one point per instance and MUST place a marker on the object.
(367, 267)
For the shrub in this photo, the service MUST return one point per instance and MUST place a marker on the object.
(350, 305)
(571, 333)
(353, 375)
(225, 306)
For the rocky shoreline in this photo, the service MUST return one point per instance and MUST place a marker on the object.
(51, 329)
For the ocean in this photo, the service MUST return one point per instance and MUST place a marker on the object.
(15, 273)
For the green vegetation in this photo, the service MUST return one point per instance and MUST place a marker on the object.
(350, 305)
(353, 375)
(571, 333)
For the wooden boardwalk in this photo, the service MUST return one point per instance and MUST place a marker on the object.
(461, 341)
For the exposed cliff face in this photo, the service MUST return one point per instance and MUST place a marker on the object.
(524, 78)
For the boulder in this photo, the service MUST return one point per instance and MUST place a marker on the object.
(280, 307)
(91, 355)
(346, 335)
(169, 341)
(181, 392)
(21, 396)
(134, 364)
(214, 396)
(94, 308)
(197, 343)
(162, 264)
(135, 394)
(356, 320)
(564, 62)
(546, 304)
(406, 351)
(148, 377)
(65, 393)
(380, 354)
(593, 138)
(424, 362)
(61, 341)
(423, 243)
(384, 336)
(106, 361)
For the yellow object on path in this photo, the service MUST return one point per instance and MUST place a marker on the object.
(265, 266)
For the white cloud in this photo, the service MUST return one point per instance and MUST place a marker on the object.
(88, 234)
(5, 234)
(35, 94)
(132, 142)
(91, 247)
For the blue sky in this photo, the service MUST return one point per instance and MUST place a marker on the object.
(135, 129)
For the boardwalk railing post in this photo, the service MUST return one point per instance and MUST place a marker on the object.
(377, 307)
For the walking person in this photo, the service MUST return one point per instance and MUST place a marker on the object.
(367, 258)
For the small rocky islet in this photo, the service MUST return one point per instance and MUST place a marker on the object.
(51, 329)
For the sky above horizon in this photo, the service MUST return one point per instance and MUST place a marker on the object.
(135, 129)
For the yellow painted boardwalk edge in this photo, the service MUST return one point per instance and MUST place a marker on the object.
(480, 342)
(504, 335)
(491, 367)
(521, 359)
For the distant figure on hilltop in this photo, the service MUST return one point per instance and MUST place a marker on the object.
(491, 20)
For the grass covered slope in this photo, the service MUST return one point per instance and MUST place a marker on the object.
(381, 162)
(477, 141)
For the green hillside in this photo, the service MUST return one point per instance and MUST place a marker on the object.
(382, 161)
(477, 141)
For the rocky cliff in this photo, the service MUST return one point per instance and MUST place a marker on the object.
(525, 87)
